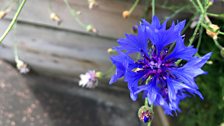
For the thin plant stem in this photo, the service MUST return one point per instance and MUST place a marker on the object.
(200, 37)
(199, 40)
(201, 6)
(15, 52)
(13, 21)
(133, 6)
(146, 102)
(195, 5)
(147, 9)
(217, 44)
(151, 107)
(153, 7)
(215, 15)
(189, 23)
(195, 31)
(73, 13)
(177, 12)
(221, 33)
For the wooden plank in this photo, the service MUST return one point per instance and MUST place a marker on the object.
(106, 17)
(60, 53)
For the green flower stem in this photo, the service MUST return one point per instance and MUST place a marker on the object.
(217, 44)
(147, 9)
(153, 7)
(178, 11)
(146, 102)
(189, 23)
(201, 6)
(73, 13)
(216, 15)
(207, 27)
(15, 52)
(149, 124)
(195, 31)
(133, 6)
(13, 21)
(200, 37)
(195, 5)
(199, 40)
(151, 107)
(221, 33)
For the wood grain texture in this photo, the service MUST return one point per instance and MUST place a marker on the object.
(106, 17)
(63, 53)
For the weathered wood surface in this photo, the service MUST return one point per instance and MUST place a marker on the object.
(106, 17)
(34, 100)
(63, 53)
(66, 50)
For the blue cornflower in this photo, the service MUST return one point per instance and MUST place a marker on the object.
(148, 64)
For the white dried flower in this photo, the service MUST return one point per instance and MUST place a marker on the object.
(92, 3)
(194, 22)
(89, 79)
(56, 18)
(22, 67)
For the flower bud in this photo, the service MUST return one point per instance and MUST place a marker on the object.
(22, 67)
(2, 14)
(210, 2)
(56, 18)
(99, 75)
(90, 28)
(209, 62)
(145, 114)
(92, 3)
(213, 32)
(125, 14)
(111, 51)
(135, 29)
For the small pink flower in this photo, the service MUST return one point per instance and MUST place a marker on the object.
(89, 79)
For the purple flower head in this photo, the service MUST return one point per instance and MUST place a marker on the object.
(149, 65)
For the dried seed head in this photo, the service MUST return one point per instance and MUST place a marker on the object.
(56, 18)
(90, 28)
(22, 67)
(2, 14)
(213, 31)
(125, 14)
(92, 3)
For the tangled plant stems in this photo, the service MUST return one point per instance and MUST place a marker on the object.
(13, 21)
(212, 30)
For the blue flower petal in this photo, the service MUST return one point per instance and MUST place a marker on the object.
(155, 73)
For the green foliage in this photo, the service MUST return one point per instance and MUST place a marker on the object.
(210, 111)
